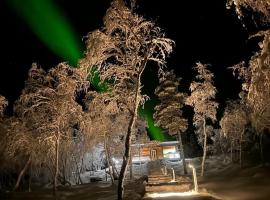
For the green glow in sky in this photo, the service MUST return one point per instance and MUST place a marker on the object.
(50, 25)
(154, 132)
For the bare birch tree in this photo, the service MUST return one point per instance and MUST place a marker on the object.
(202, 99)
(120, 52)
(168, 114)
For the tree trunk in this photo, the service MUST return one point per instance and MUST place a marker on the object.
(78, 177)
(240, 153)
(105, 175)
(131, 125)
(115, 172)
(107, 158)
(114, 169)
(63, 168)
(231, 151)
(182, 154)
(56, 170)
(261, 148)
(81, 171)
(22, 173)
(30, 178)
(130, 167)
(204, 147)
(125, 159)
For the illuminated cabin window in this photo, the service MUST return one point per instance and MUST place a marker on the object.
(170, 152)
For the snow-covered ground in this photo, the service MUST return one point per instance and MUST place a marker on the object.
(230, 182)
(222, 179)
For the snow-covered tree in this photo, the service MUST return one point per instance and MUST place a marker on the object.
(220, 143)
(202, 99)
(48, 108)
(3, 105)
(256, 86)
(168, 113)
(262, 7)
(3, 126)
(120, 52)
(233, 125)
(109, 123)
(21, 148)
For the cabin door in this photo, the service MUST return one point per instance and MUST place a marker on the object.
(153, 154)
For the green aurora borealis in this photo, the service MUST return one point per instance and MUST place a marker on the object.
(49, 24)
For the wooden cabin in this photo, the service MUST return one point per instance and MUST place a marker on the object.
(154, 150)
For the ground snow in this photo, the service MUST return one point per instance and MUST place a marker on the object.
(222, 179)
(230, 182)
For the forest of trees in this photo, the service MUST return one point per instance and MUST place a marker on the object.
(60, 117)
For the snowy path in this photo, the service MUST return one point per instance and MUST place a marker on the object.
(161, 187)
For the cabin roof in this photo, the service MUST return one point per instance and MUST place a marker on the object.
(155, 143)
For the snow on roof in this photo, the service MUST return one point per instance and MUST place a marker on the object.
(169, 143)
(166, 143)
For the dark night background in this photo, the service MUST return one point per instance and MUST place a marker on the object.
(204, 31)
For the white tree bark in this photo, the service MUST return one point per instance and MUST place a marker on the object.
(56, 170)
(204, 147)
(26, 166)
(182, 154)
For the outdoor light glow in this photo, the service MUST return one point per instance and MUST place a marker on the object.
(170, 194)
(49, 24)
(115, 160)
(194, 177)
(173, 177)
(170, 152)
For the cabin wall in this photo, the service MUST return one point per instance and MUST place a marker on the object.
(160, 151)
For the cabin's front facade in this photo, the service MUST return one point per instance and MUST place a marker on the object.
(154, 150)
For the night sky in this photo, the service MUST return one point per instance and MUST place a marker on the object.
(204, 31)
